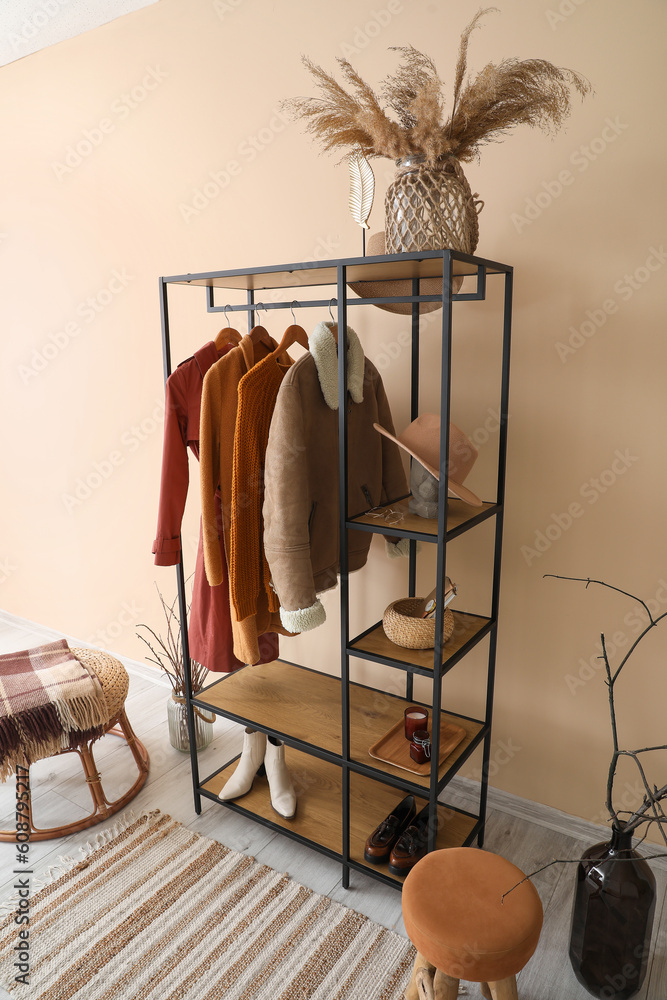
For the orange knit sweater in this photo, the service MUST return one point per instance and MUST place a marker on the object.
(248, 569)
(219, 407)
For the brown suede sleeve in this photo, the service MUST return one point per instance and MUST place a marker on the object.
(287, 504)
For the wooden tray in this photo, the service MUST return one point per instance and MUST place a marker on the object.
(393, 748)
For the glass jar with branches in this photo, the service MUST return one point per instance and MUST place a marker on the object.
(167, 654)
(614, 903)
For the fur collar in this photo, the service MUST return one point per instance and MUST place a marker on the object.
(324, 350)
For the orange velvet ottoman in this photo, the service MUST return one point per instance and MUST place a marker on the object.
(454, 917)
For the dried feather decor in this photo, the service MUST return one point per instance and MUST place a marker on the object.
(362, 188)
(501, 96)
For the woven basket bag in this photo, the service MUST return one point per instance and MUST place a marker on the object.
(430, 208)
(413, 633)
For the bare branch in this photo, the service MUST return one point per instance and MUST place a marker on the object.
(614, 732)
(651, 800)
(653, 797)
(571, 861)
(639, 638)
(169, 654)
(588, 581)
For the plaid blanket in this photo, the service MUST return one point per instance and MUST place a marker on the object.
(49, 701)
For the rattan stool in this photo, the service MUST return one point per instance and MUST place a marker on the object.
(115, 683)
(455, 918)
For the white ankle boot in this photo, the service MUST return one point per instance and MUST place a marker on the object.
(283, 796)
(252, 758)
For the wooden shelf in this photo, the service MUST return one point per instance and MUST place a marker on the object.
(378, 647)
(318, 820)
(371, 802)
(298, 703)
(317, 783)
(285, 698)
(373, 713)
(385, 518)
(422, 264)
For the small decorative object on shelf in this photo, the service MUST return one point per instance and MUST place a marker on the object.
(420, 747)
(168, 656)
(393, 748)
(430, 604)
(415, 718)
(424, 492)
(430, 205)
(401, 626)
(421, 440)
(362, 188)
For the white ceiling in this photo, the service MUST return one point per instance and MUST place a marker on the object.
(29, 25)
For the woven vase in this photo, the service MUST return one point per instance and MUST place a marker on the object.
(430, 208)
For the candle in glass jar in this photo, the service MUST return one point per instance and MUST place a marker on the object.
(415, 718)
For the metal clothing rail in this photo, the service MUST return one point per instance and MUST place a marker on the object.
(258, 283)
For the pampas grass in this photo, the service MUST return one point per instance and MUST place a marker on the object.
(484, 109)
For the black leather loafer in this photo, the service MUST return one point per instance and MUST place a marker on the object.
(411, 846)
(379, 844)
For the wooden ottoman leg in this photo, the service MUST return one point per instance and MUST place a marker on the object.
(139, 753)
(505, 989)
(93, 780)
(424, 979)
(445, 988)
(486, 992)
(435, 986)
(411, 992)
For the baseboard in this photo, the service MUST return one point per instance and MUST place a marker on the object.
(553, 819)
(136, 667)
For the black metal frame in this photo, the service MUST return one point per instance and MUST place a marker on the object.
(338, 272)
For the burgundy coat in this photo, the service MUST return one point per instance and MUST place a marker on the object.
(210, 629)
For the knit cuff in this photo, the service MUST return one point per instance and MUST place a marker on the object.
(396, 548)
(303, 619)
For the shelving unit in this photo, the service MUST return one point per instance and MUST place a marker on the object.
(328, 723)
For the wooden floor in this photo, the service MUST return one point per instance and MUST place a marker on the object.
(60, 794)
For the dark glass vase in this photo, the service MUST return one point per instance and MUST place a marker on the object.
(612, 919)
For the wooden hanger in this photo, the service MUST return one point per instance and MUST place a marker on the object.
(227, 335)
(294, 334)
(259, 334)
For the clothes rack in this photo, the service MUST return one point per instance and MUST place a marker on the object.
(347, 789)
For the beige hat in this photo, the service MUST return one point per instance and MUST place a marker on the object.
(375, 247)
(421, 439)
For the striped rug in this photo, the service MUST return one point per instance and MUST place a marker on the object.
(159, 913)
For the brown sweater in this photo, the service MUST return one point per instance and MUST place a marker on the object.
(248, 569)
(218, 420)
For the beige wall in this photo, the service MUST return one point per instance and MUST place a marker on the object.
(83, 244)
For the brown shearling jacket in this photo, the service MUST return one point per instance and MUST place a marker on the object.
(301, 503)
